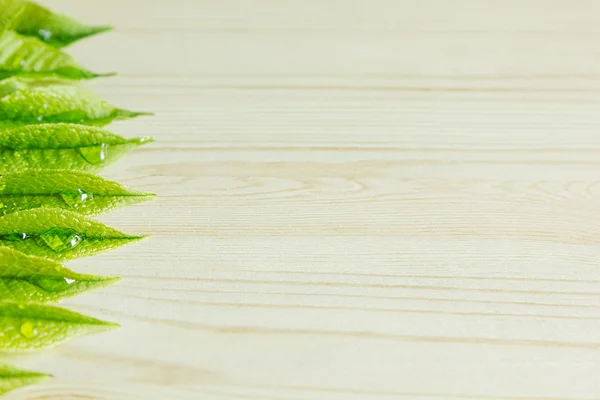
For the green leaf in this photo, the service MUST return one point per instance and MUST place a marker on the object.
(27, 327)
(75, 191)
(8, 10)
(11, 85)
(58, 234)
(31, 19)
(14, 84)
(30, 57)
(62, 146)
(30, 279)
(12, 378)
(25, 105)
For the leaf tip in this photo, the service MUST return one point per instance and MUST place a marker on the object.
(145, 139)
(126, 114)
(102, 75)
(135, 238)
(140, 141)
(112, 325)
(88, 31)
(31, 376)
(41, 376)
(112, 279)
(95, 30)
(103, 280)
(102, 325)
(77, 74)
(145, 195)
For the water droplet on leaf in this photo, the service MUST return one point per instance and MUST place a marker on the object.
(61, 239)
(51, 284)
(46, 34)
(17, 236)
(28, 330)
(75, 198)
(94, 154)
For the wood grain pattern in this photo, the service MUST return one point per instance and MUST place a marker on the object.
(369, 199)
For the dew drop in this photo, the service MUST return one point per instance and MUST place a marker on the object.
(17, 236)
(74, 198)
(94, 154)
(28, 330)
(61, 239)
(46, 34)
(51, 283)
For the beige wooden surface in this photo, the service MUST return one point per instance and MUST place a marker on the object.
(359, 200)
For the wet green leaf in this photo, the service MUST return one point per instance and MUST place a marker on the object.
(31, 19)
(27, 327)
(58, 234)
(14, 84)
(11, 85)
(21, 104)
(8, 10)
(30, 57)
(12, 378)
(61, 146)
(31, 279)
(75, 191)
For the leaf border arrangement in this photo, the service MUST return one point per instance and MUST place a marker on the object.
(51, 144)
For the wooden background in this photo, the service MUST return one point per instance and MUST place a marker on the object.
(359, 200)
